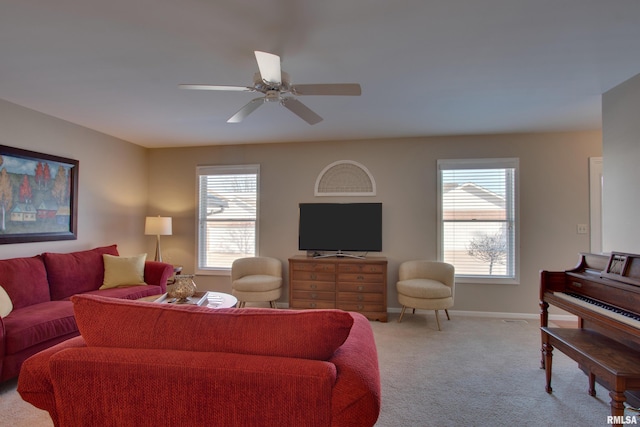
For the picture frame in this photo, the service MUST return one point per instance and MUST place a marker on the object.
(38, 196)
(623, 267)
(618, 263)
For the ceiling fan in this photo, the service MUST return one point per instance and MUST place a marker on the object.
(276, 87)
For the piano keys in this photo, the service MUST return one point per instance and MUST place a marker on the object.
(600, 307)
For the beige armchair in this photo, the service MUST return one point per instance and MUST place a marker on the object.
(256, 279)
(427, 285)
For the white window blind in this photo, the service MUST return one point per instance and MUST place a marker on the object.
(478, 218)
(227, 215)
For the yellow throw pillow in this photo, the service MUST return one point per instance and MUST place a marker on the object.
(123, 271)
(5, 303)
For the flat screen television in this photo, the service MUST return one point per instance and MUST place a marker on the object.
(340, 227)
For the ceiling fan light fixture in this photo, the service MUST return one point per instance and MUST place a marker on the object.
(272, 96)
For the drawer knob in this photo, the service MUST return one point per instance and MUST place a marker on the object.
(360, 298)
(360, 307)
(314, 295)
(313, 286)
(314, 277)
(360, 277)
(360, 288)
(312, 305)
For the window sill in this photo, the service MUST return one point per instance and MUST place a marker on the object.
(214, 272)
(487, 280)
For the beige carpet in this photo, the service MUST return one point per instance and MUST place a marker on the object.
(15, 412)
(476, 372)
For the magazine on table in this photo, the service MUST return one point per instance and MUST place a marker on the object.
(199, 298)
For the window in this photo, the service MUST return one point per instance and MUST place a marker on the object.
(478, 219)
(227, 215)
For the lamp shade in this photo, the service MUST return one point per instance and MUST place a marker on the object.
(158, 225)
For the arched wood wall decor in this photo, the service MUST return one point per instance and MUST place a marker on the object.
(345, 178)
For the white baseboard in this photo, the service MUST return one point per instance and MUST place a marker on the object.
(499, 315)
(564, 317)
(486, 314)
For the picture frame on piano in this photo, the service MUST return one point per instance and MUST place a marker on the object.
(617, 264)
(623, 267)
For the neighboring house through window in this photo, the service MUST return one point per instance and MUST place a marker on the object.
(478, 219)
(227, 215)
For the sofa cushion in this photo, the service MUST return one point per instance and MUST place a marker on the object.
(128, 292)
(423, 288)
(123, 271)
(76, 272)
(306, 334)
(38, 323)
(5, 303)
(24, 280)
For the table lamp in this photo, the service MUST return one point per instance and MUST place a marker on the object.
(158, 226)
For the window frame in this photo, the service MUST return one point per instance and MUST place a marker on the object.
(224, 170)
(482, 163)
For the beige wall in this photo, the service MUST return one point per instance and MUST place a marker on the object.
(112, 181)
(621, 149)
(118, 178)
(553, 191)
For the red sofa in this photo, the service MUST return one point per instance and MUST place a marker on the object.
(39, 288)
(145, 364)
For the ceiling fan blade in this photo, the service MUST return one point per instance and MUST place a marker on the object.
(345, 89)
(214, 87)
(247, 109)
(269, 66)
(301, 110)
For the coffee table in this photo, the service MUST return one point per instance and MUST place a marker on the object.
(220, 300)
(214, 300)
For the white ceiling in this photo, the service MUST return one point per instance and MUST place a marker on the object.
(426, 67)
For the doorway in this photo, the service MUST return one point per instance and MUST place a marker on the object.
(595, 204)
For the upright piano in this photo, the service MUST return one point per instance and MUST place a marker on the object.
(603, 291)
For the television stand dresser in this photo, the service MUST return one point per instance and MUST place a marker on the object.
(348, 284)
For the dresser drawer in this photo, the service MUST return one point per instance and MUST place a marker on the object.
(313, 266)
(306, 285)
(314, 275)
(361, 306)
(360, 277)
(304, 304)
(360, 297)
(360, 268)
(314, 295)
(361, 287)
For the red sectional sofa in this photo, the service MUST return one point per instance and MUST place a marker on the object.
(40, 287)
(144, 364)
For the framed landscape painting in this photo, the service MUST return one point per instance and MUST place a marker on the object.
(38, 196)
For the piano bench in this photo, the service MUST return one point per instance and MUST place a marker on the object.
(616, 365)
